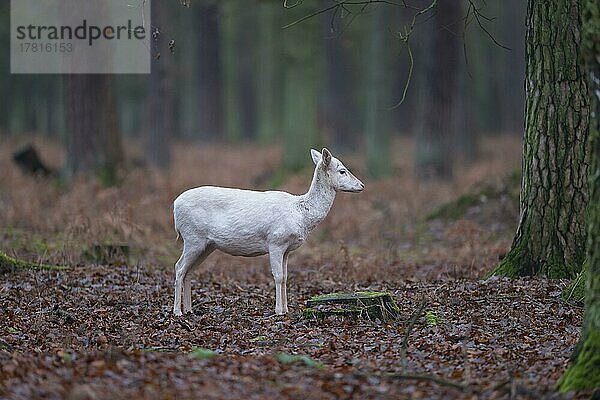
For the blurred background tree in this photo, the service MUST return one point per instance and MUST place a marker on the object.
(237, 75)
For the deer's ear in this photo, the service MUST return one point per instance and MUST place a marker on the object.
(316, 156)
(326, 155)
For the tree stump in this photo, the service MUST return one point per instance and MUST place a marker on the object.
(370, 305)
(28, 159)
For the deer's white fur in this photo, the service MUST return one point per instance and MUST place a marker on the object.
(251, 223)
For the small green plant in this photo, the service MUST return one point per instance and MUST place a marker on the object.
(297, 358)
(202, 353)
(432, 318)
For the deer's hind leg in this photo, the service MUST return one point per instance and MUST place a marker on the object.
(187, 279)
(191, 256)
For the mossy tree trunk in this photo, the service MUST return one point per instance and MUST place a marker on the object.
(584, 373)
(550, 238)
(301, 83)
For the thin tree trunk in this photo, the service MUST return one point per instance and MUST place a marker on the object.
(268, 76)
(339, 117)
(551, 234)
(237, 41)
(208, 75)
(93, 140)
(160, 96)
(377, 119)
(584, 373)
(435, 136)
(301, 86)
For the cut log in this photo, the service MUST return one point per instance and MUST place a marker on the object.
(8, 263)
(370, 305)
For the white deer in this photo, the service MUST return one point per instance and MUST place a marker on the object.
(251, 223)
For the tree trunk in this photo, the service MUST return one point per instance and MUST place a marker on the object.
(93, 140)
(551, 234)
(160, 93)
(301, 86)
(339, 116)
(377, 118)
(208, 76)
(435, 136)
(584, 373)
(268, 72)
(237, 40)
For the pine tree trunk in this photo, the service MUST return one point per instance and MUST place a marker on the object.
(268, 75)
(435, 136)
(230, 48)
(339, 117)
(160, 93)
(207, 64)
(93, 139)
(377, 118)
(584, 373)
(237, 44)
(301, 86)
(551, 234)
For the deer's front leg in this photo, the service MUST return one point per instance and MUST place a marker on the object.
(276, 258)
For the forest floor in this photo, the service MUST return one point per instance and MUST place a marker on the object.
(104, 328)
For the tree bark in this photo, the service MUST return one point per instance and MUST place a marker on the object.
(268, 72)
(550, 238)
(301, 86)
(208, 74)
(584, 373)
(377, 118)
(339, 117)
(435, 136)
(237, 41)
(160, 93)
(93, 139)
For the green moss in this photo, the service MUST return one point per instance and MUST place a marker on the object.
(202, 353)
(312, 313)
(454, 209)
(297, 358)
(508, 267)
(575, 292)
(516, 263)
(432, 318)
(369, 304)
(8, 264)
(584, 373)
(351, 297)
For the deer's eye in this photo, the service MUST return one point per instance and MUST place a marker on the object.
(342, 172)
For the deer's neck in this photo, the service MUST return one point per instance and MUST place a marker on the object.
(317, 202)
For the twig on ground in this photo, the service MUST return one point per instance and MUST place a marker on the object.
(413, 319)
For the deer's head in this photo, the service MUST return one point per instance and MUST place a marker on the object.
(337, 175)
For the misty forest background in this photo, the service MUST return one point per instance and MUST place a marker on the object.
(424, 103)
(226, 71)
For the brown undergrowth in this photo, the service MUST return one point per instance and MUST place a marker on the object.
(382, 227)
(100, 331)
